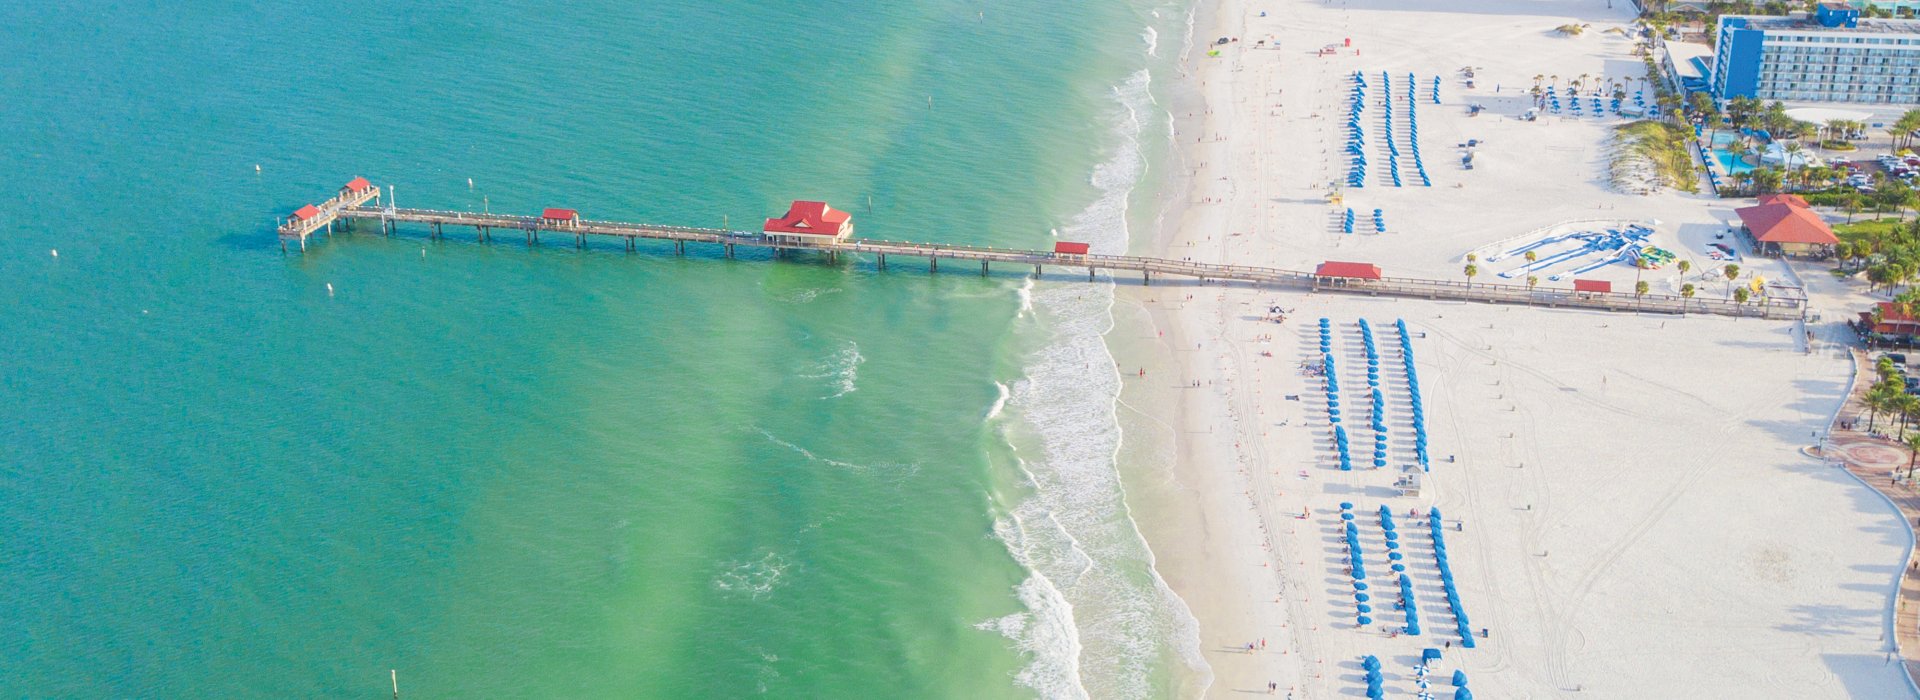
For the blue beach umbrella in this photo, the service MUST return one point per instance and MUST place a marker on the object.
(1459, 678)
(1364, 620)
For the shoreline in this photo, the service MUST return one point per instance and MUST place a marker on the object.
(1571, 539)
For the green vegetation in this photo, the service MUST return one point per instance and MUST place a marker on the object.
(1570, 29)
(1665, 146)
(1836, 145)
(1888, 250)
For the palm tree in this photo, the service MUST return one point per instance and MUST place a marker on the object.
(1532, 281)
(1877, 400)
(1794, 151)
(1684, 265)
(1908, 406)
(1686, 292)
(1852, 204)
(1766, 180)
(1531, 256)
(1732, 272)
(1739, 297)
(1639, 291)
(1470, 270)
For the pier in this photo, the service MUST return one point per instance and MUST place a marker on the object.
(360, 204)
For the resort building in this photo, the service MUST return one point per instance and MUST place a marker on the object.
(1832, 56)
(1782, 224)
(810, 222)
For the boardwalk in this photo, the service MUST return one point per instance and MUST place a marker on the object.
(1875, 461)
(487, 225)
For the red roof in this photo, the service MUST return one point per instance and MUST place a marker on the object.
(1793, 199)
(1781, 222)
(1892, 320)
(1071, 248)
(306, 212)
(358, 184)
(560, 214)
(813, 218)
(1365, 271)
(1592, 286)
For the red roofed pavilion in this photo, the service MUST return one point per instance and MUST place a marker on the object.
(305, 213)
(1793, 199)
(556, 216)
(810, 222)
(356, 186)
(1600, 286)
(1781, 227)
(1347, 270)
(1070, 248)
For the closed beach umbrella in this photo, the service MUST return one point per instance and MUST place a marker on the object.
(1459, 678)
(1364, 620)
(1391, 535)
(1462, 694)
(1346, 516)
(1396, 567)
(1364, 608)
(1370, 663)
(1346, 505)
(1359, 585)
(1393, 556)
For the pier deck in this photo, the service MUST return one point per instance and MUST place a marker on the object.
(531, 228)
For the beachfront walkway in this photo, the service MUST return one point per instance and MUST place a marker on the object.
(1876, 461)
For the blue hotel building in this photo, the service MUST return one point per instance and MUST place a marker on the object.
(1833, 56)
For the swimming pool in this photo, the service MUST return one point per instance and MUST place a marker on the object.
(1728, 164)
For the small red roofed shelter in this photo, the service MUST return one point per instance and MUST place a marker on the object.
(1070, 248)
(356, 186)
(306, 213)
(1593, 286)
(810, 222)
(1347, 270)
(1783, 225)
(555, 216)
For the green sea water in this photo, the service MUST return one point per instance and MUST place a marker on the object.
(514, 472)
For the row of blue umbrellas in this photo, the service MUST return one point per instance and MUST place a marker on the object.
(1413, 131)
(1356, 136)
(1378, 413)
(1376, 683)
(1413, 394)
(1436, 89)
(1393, 149)
(1346, 225)
(1362, 606)
(1446, 579)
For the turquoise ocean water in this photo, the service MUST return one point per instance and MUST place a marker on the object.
(533, 473)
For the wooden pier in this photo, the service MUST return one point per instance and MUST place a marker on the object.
(312, 218)
(352, 204)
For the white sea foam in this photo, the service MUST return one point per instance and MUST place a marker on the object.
(755, 578)
(1094, 625)
(890, 467)
(999, 402)
(807, 295)
(1025, 292)
(843, 368)
(1153, 40)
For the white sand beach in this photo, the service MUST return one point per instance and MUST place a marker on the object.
(1635, 515)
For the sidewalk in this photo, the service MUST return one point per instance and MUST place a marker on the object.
(1875, 461)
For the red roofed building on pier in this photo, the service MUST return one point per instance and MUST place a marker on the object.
(306, 213)
(1070, 248)
(356, 186)
(1593, 286)
(810, 222)
(554, 216)
(1347, 270)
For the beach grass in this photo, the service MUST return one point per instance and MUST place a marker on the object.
(1665, 146)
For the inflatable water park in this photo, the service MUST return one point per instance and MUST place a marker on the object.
(1579, 250)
